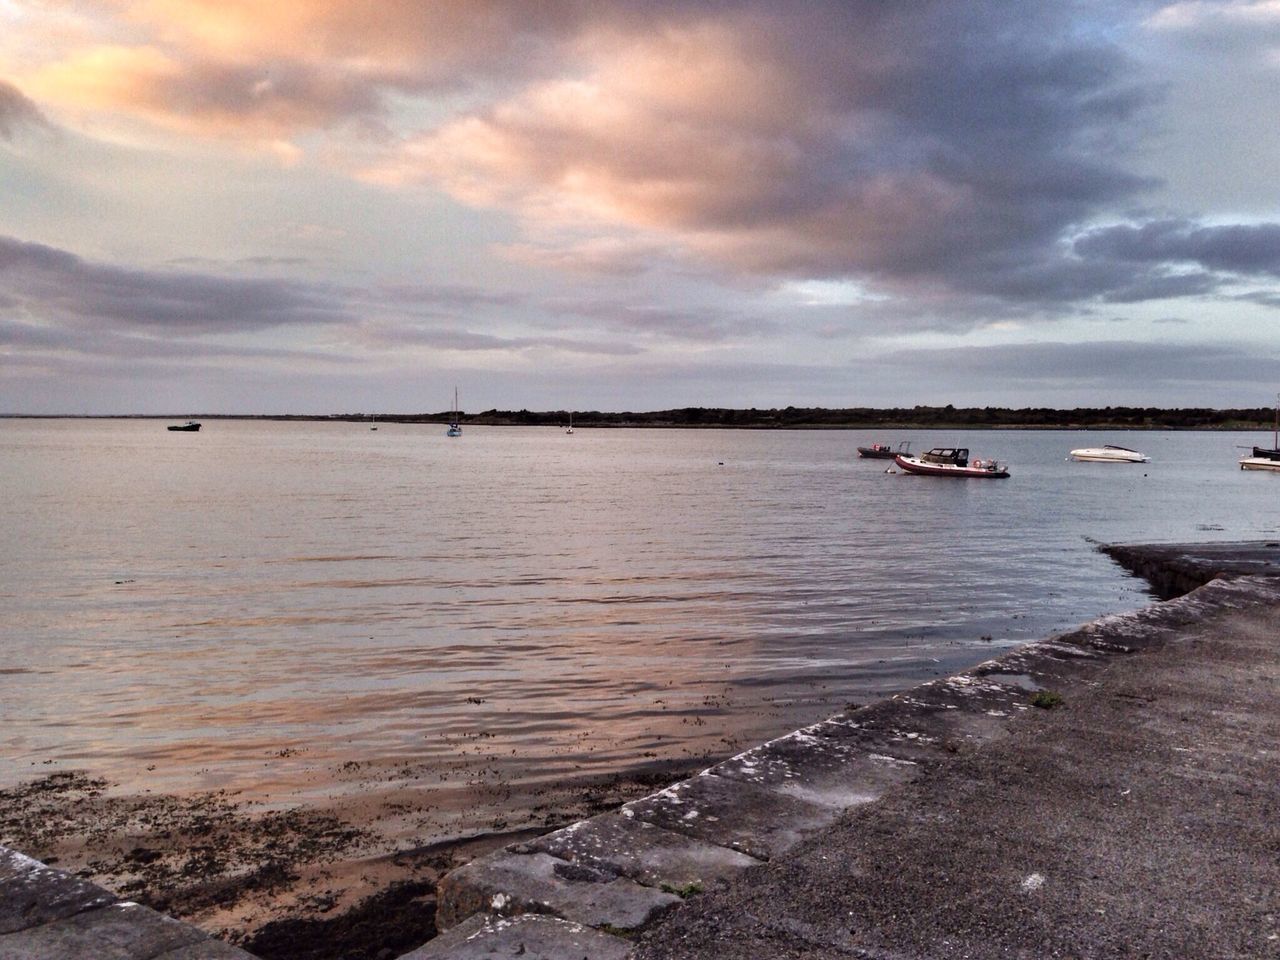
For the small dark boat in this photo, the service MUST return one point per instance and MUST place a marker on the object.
(1266, 454)
(882, 451)
(952, 462)
(189, 427)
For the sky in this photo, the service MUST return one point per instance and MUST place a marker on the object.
(334, 206)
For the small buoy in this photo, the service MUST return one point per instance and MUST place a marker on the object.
(721, 463)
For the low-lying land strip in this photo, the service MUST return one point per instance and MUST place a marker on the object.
(947, 417)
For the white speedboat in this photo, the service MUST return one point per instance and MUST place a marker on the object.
(1109, 454)
(1260, 463)
(952, 462)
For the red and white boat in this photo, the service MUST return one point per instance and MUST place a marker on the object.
(952, 462)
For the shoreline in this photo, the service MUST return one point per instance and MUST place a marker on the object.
(386, 898)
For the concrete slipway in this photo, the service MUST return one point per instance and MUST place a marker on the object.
(1110, 792)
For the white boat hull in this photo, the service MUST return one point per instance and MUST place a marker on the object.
(1260, 463)
(1107, 455)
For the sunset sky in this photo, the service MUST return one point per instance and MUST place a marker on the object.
(314, 206)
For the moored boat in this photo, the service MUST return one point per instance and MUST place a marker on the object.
(952, 462)
(189, 427)
(1262, 455)
(455, 427)
(1267, 453)
(882, 451)
(1109, 454)
(1260, 463)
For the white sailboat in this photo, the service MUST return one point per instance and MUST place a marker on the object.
(455, 428)
(570, 430)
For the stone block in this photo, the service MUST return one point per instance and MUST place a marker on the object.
(121, 931)
(836, 772)
(507, 883)
(757, 821)
(643, 852)
(32, 894)
(207, 950)
(529, 937)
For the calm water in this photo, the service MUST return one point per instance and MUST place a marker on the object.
(257, 605)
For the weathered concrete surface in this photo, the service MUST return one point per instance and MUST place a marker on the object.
(45, 914)
(1173, 569)
(529, 937)
(1139, 818)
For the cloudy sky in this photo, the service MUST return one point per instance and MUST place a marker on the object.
(317, 206)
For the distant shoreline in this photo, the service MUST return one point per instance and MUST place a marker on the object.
(789, 418)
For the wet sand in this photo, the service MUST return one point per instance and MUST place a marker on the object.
(308, 883)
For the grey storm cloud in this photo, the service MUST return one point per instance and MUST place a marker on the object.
(34, 340)
(1101, 362)
(446, 296)
(389, 336)
(690, 324)
(1232, 248)
(285, 93)
(931, 143)
(57, 286)
(17, 111)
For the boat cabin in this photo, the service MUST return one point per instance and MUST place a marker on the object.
(957, 455)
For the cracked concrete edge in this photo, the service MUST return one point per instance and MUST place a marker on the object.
(764, 800)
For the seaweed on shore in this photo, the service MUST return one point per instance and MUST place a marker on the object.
(381, 926)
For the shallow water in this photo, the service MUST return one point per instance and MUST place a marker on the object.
(265, 606)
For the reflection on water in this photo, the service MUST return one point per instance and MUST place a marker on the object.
(261, 603)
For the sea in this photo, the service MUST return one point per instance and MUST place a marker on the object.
(263, 607)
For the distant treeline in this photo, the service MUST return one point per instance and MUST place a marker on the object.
(798, 418)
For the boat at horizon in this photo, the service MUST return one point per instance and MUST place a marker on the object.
(952, 462)
(882, 451)
(189, 427)
(1109, 453)
(455, 428)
